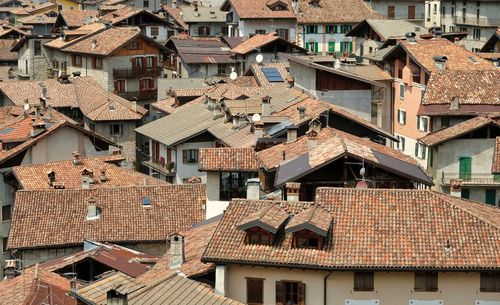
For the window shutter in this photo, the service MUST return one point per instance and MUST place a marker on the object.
(404, 117)
(358, 281)
(184, 156)
(416, 149)
(403, 141)
(307, 46)
(350, 47)
(141, 84)
(341, 47)
(302, 293)
(134, 62)
(432, 281)
(418, 122)
(115, 83)
(315, 47)
(155, 62)
(426, 124)
(423, 152)
(279, 293)
(419, 281)
(335, 28)
(144, 62)
(369, 281)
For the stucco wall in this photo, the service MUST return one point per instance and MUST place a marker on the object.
(249, 26)
(389, 287)
(189, 170)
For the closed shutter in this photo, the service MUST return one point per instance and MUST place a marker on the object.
(419, 281)
(418, 122)
(425, 124)
(416, 149)
(465, 168)
(115, 83)
(404, 117)
(134, 63)
(315, 47)
(302, 293)
(335, 28)
(155, 62)
(279, 293)
(350, 47)
(184, 156)
(358, 281)
(331, 47)
(491, 197)
(141, 84)
(341, 47)
(144, 62)
(308, 46)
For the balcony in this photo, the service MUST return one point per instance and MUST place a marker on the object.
(481, 21)
(143, 95)
(160, 166)
(136, 73)
(472, 179)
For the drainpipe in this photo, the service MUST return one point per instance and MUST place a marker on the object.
(324, 287)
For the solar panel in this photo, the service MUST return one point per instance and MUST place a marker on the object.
(272, 75)
(7, 130)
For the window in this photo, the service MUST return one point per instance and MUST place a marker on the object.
(146, 84)
(420, 151)
(5, 241)
(306, 239)
(262, 32)
(363, 281)
(97, 63)
(224, 69)
(445, 122)
(452, 12)
(311, 29)
(391, 11)
(145, 3)
(155, 31)
(402, 92)
(434, 11)
(465, 194)
(422, 123)
(133, 45)
(120, 86)
(312, 46)
(331, 47)
(59, 7)
(490, 197)
(344, 28)
(77, 61)
(402, 116)
(255, 291)
(401, 143)
(476, 34)
(203, 30)
(38, 47)
(116, 129)
(190, 156)
(331, 29)
(150, 61)
(411, 11)
(258, 236)
(443, 10)
(490, 282)
(290, 293)
(233, 185)
(283, 33)
(6, 212)
(426, 281)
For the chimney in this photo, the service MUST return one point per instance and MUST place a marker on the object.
(9, 270)
(315, 124)
(87, 179)
(292, 191)
(336, 63)
(175, 251)
(103, 177)
(94, 43)
(196, 13)
(217, 110)
(302, 111)
(26, 107)
(290, 81)
(113, 297)
(259, 130)
(37, 111)
(48, 113)
(174, 3)
(237, 120)
(312, 139)
(456, 187)
(43, 95)
(455, 103)
(134, 106)
(51, 175)
(253, 188)
(410, 36)
(76, 158)
(92, 209)
(291, 134)
(440, 61)
(266, 105)
(37, 128)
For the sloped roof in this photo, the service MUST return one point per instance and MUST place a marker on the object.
(256, 41)
(127, 12)
(228, 159)
(259, 9)
(176, 14)
(5, 50)
(205, 14)
(209, 50)
(387, 28)
(495, 166)
(37, 19)
(270, 218)
(382, 229)
(335, 11)
(76, 18)
(315, 219)
(172, 208)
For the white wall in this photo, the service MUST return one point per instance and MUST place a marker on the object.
(184, 171)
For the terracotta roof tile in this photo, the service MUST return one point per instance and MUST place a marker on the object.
(373, 228)
(228, 159)
(166, 105)
(5, 47)
(176, 14)
(335, 11)
(270, 218)
(314, 219)
(76, 18)
(123, 216)
(126, 12)
(259, 9)
(254, 42)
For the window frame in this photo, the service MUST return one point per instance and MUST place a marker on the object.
(97, 63)
(489, 287)
(402, 117)
(255, 294)
(37, 48)
(5, 242)
(264, 238)
(190, 159)
(364, 281)
(156, 31)
(112, 130)
(6, 216)
(402, 89)
(77, 60)
(428, 279)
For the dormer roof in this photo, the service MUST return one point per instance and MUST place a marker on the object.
(315, 219)
(269, 218)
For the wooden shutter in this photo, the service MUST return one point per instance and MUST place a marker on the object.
(302, 293)
(358, 281)
(255, 291)
(141, 84)
(369, 281)
(144, 62)
(419, 281)
(315, 47)
(115, 84)
(279, 293)
(184, 156)
(432, 281)
(411, 11)
(391, 11)
(155, 62)
(134, 62)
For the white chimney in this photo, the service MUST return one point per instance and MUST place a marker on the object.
(26, 107)
(113, 297)
(87, 179)
(94, 43)
(134, 106)
(92, 209)
(302, 111)
(103, 177)
(217, 110)
(76, 158)
(312, 139)
(253, 188)
(9, 270)
(174, 3)
(258, 130)
(291, 134)
(440, 61)
(175, 251)
(292, 191)
(266, 105)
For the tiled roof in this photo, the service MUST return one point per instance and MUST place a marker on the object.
(335, 11)
(37, 19)
(210, 14)
(228, 159)
(254, 42)
(469, 87)
(456, 130)
(34, 176)
(423, 51)
(495, 166)
(166, 105)
(81, 92)
(96, 292)
(373, 228)
(61, 42)
(127, 12)
(195, 242)
(387, 28)
(261, 78)
(33, 8)
(116, 257)
(176, 14)
(314, 219)
(8, 28)
(259, 9)
(5, 47)
(123, 216)
(77, 18)
(270, 218)
(25, 289)
(206, 50)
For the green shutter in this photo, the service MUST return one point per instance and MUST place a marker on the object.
(491, 197)
(315, 47)
(307, 46)
(341, 47)
(465, 168)
(331, 46)
(335, 28)
(350, 47)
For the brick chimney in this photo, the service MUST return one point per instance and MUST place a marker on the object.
(292, 191)
(87, 179)
(266, 105)
(175, 251)
(312, 139)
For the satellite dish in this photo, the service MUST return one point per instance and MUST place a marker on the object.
(259, 58)
(233, 75)
(255, 117)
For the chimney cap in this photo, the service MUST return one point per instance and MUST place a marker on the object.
(440, 58)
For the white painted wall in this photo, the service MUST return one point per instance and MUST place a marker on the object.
(189, 170)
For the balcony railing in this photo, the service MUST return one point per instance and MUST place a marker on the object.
(471, 179)
(143, 95)
(481, 21)
(136, 73)
(160, 166)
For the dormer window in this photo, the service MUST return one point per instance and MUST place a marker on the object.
(310, 228)
(277, 5)
(261, 227)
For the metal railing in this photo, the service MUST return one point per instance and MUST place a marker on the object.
(471, 178)
(481, 21)
(136, 73)
(142, 95)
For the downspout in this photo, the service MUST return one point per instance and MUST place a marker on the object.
(324, 287)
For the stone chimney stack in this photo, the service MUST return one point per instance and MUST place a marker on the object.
(76, 158)
(312, 139)
(175, 251)
(302, 111)
(291, 134)
(103, 177)
(253, 188)
(456, 187)
(266, 105)
(174, 3)
(259, 130)
(92, 209)
(440, 61)
(292, 191)
(9, 270)
(26, 108)
(113, 297)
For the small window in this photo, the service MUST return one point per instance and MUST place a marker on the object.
(306, 239)
(490, 282)
(288, 292)
(77, 61)
(476, 33)
(445, 122)
(420, 151)
(5, 241)
(391, 11)
(203, 31)
(120, 86)
(258, 236)
(116, 129)
(155, 31)
(146, 84)
(190, 156)
(426, 281)
(255, 291)
(261, 32)
(331, 29)
(465, 194)
(283, 33)
(422, 123)
(38, 47)
(401, 143)
(311, 29)
(145, 3)
(134, 45)
(402, 117)
(363, 281)
(6, 212)
(402, 92)
(97, 63)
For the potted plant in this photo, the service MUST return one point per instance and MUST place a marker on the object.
(170, 167)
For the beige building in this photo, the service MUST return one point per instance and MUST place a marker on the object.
(358, 246)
